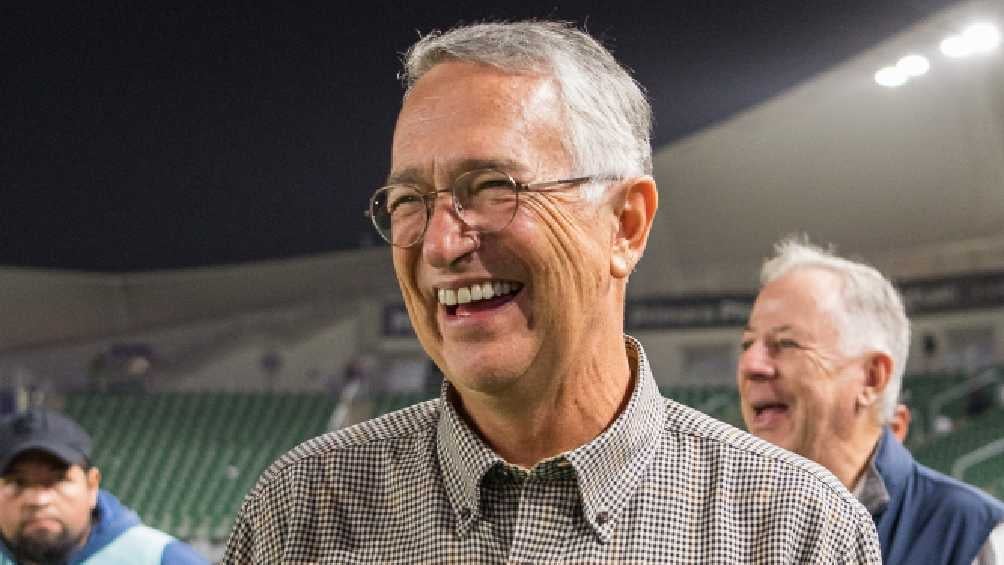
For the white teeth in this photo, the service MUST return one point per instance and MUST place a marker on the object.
(449, 297)
(476, 291)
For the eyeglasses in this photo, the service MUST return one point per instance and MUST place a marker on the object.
(485, 199)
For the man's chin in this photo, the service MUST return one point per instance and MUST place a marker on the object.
(486, 370)
(491, 383)
(45, 546)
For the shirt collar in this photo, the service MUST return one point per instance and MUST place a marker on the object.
(870, 490)
(608, 468)
(464, 458)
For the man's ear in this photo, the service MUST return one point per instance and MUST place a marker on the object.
(900, 424)
(93, 478)
(635, 211)
(878, 371)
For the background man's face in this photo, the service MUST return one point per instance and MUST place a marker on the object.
(45, 506)
(797, 387)
(461, 116)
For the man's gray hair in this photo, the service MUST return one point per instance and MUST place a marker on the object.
(872, 314)
(607, 117)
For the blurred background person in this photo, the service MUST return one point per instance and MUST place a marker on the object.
(819, 374)
(52, 509)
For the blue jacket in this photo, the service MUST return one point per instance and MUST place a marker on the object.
(117, 537)
(930, 517)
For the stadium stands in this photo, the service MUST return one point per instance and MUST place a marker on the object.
(391, 402)
(943, 451)
(918, 391)
(184, 461)
(722, 402)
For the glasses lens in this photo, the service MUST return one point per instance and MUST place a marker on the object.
(487, 199)
(399, 214)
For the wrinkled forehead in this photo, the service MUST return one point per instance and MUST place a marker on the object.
(805, 300)
(459, 112)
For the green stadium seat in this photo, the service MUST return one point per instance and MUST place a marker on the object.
(185, 461)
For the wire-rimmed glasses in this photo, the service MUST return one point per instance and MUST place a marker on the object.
(485, 199)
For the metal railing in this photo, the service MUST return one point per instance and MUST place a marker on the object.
(987, 376)
(977, 456)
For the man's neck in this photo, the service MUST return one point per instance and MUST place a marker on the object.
(849, 463)
(527, 429)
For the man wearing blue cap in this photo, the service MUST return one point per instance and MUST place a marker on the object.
(52, 509)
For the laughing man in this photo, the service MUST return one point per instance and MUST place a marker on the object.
(519, 200)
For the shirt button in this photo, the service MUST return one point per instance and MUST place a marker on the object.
(602, 517)
(465, 513)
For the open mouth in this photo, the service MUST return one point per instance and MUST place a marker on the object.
(477, 297)
(768, 410)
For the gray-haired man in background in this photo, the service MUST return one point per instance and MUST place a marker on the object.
(821, 368)
(519, 200)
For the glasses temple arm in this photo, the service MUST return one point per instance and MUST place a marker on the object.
(537, 186)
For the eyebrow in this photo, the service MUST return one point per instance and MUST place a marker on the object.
(417, 176)
(775, 329)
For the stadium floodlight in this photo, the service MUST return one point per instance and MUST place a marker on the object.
(982, 37)
(956, 46)
(890, 77)
(913, 65)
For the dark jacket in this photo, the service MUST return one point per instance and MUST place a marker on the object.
(930, 517)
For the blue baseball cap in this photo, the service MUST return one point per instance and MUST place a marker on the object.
(46, 431)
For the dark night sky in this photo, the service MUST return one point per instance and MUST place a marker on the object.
(144, 138)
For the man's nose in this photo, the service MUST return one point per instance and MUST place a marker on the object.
(756, 362)
(448, 238)
(38, 495)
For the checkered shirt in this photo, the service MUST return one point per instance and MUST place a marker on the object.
(663, 484)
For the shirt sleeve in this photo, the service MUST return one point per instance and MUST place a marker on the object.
(240, 546)
(866, 543)
(992, 552)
